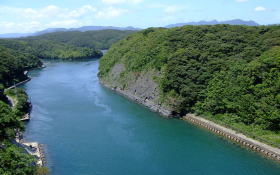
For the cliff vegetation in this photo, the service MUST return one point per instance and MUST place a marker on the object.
(229, 73)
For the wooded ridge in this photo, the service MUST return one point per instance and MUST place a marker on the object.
(230, 73)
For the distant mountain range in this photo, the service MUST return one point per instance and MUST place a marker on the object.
(214, 22)
(51, 30)
(90, 28)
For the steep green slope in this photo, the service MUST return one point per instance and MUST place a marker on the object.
(248, 92)
(47, 49)
(101, 39)
(222, 69)
(13, 63)
(67, 45)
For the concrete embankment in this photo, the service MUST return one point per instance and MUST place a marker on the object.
(234, 136)
(239, 138)
(18, 84)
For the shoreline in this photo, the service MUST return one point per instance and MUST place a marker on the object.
(33, 148)
(11, 100)
(234, 136)
(12, 103)
(18, 84)
(36, 149)
(144, 102)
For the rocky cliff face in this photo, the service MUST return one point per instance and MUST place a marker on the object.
(139, 86)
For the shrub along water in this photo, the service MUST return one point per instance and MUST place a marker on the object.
(14, 60)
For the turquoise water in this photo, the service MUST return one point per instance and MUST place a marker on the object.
(89, 130)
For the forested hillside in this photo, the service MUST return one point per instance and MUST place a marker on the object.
(13, 62)
(101, 39)
(15, 58)
(45, 49)
(222, 70)
(67, 45)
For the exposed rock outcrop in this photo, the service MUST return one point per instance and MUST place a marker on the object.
(139, 87)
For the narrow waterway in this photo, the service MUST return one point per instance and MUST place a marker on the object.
(89, 130)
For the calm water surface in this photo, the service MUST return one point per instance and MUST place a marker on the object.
(89, 130)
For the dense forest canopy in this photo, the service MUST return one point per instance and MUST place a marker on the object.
(249, 93)
(66, 45)
(13, 159)
(15, 58)
(101, 39)
(222, 69)
(47, 49)
(13, 62)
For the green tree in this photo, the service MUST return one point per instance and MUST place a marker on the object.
(9, 122)
(14, 161)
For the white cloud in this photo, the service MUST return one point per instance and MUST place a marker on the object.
(241, 0)
(62, 23)
(39, 13)
(30, 12)
(110, 12)
(121, 1)
(173, 9)
(169, 9)
(10, 27)
(49, 12)
(51, 8)
(84, 10)
(260, 9)
(32, 19)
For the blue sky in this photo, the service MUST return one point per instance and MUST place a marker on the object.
(34, 15)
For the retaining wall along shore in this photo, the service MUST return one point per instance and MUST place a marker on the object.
(234, 136)
(18, 84)
(239, 138)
